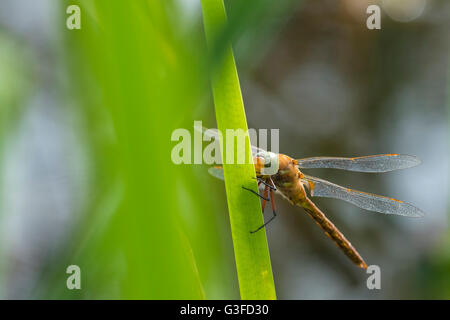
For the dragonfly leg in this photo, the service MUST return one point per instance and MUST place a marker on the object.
(271, 185)
(273, 211)
(267, 199)
(264, 200)
(274, 188)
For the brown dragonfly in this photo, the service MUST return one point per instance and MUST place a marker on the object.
(289, 181)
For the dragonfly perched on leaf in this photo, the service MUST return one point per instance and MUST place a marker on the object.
(289, 181)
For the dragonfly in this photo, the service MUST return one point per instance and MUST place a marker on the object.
(292, 184)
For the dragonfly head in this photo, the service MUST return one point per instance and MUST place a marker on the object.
(266, 163)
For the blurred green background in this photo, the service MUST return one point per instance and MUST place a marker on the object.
(86, 118)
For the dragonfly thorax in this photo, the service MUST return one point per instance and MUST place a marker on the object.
(266, 163)
(288, 179)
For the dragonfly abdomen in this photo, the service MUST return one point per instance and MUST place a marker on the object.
(333, 233)
(289, 183)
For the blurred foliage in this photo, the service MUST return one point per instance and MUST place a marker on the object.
(434, 276)
(15, 66)
(15, 73)
(434, 272)
(151, 229)
(134, 73)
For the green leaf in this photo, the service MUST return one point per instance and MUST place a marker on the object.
(251, 252)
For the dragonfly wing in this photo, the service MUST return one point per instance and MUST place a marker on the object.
(375, 163)
(216, 172)
(256, 150)
(367, 201)
(213, 134)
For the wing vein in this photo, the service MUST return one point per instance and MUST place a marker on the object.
(374, 163)
(367, 201)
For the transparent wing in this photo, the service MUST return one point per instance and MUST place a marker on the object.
(213, 134)
(367, 201)
(376, 163)
(216, 172)
(256, 150)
